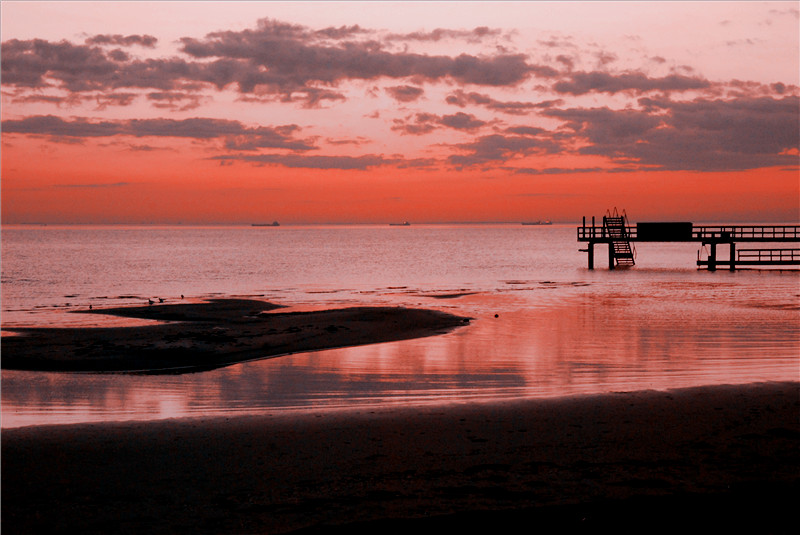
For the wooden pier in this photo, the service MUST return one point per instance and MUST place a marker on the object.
(619, 235)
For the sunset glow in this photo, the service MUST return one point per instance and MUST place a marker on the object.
(369, 112)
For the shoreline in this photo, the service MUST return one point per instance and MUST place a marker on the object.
(730, 454)
(212, 334)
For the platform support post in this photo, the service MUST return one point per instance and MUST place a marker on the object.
(712, 257)
(610, 255)
(733, 256)
(590, 251)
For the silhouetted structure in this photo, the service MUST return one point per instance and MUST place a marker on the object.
(620, 235)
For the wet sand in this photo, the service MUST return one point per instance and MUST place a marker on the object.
(723, 458)
(202, 336)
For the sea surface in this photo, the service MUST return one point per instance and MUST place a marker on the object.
(543, 324)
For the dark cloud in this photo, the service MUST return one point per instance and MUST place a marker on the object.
(123, 40)
(750, 89)
(103, 100)
(462, 121)
(313, 97)
(58, 100)
(751, 126)
(526, 130)
(82, 68)
(604, 58)
(417, 125)
(498, 148)
(414, 163)
(602, 126)
(235, 134)
(50, 125)
(424, 123)
(462, 99)
(474, 35)
(544, 71)
(311, 162)
(565, 60)
(405, 93)
(285, 57)
(166, 74)
(294, 61)
(145, 148)
(341, 32)
(77, 67)
(358, 141)
(580, 83)
(119, 55)
(308, 97)
(300, 161)
(175, 100)
(557, 42)
(559, 170)
(701, 135)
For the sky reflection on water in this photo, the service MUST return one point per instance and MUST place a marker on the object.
(588, 340)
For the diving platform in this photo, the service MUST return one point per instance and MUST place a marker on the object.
(620, 236)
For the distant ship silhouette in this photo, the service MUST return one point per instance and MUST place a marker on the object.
(403, 224)
(537, 222)
(273, 224)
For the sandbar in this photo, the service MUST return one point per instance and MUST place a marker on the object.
(708, 459)
(201, 336)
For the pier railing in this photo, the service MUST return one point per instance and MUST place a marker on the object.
(768, 256)
(599, 232)
(755, 232)
(703, 233)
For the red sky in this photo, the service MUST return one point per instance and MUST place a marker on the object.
(368, 112)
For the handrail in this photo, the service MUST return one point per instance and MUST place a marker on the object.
(748, 232)
(600, 232)
(722, 232)
(627, 233)
(769, 255)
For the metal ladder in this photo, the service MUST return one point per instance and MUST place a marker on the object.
(615, 227)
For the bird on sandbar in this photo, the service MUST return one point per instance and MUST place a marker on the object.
(149, 301)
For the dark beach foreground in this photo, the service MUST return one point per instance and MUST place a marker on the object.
(202, 336)
(722, 458)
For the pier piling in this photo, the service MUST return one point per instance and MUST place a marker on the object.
(712, 256)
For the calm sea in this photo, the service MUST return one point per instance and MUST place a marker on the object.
(544, 325)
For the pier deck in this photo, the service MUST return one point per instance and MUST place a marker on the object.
(615, 229)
